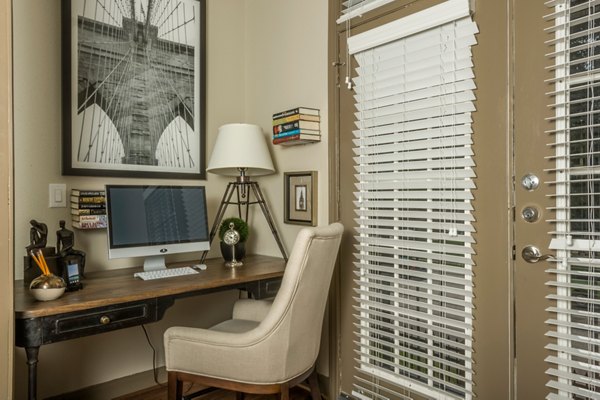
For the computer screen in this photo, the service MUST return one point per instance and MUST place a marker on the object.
(155, 221)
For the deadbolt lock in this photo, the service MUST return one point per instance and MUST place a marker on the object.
(530, 214)
(530, 182)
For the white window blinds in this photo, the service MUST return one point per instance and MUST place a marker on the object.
(355, 8)
(574, 329)
(414, 176)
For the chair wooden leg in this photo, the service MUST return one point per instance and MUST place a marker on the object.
(313, 381)
(285, 392)
(174, 386)
(239, 396)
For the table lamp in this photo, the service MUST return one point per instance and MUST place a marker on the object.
(241, 151)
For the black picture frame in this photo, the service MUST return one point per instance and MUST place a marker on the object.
(300, 198)
(146, 88)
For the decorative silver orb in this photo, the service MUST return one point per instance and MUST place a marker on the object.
(47, 287)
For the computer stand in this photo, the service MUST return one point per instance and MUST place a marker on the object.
(242, 188)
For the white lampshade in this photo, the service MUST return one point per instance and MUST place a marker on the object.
(240, 146)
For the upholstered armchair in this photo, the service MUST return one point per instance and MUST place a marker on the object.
(267, 347)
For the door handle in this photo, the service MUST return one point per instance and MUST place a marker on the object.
(532, 254)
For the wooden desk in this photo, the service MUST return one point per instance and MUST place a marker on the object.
(114, 299)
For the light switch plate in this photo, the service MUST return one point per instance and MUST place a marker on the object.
(57, 195)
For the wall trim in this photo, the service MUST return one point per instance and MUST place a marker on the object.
(115, 388)
(334, 313)
(137, 382)
(6, 202)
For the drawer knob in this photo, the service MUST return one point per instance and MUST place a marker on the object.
(104, 320)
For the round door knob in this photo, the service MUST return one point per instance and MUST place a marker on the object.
(104, 320)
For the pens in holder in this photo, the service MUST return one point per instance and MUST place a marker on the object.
(41, 262)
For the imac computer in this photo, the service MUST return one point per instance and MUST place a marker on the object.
(155, 221)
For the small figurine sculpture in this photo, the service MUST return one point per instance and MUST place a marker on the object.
(38, 235)
(65, 240)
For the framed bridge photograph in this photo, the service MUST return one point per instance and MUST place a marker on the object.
(134, 88)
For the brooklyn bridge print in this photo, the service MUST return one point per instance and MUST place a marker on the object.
(136, 87)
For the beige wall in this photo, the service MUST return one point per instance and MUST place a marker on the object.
(37, 135)
(286, 67)
(263, 56)
(38, 118)
(6, 251)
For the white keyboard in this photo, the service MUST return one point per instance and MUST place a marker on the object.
(165, 273)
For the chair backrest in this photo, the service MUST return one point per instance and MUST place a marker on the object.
(296, 316)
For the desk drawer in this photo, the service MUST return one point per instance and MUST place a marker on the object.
(99, 320)
(134, 313)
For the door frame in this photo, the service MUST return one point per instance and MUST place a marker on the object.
(6, 216)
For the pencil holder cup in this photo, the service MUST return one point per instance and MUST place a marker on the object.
(47, 287)
(31, 271)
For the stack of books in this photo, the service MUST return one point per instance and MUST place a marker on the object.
(88, 209)
(299, 125)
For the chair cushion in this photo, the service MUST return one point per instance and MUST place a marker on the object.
(250, 309)
(235, 326)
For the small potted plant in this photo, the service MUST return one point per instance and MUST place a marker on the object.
(240, 248)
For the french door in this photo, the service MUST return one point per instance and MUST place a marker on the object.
(532, 201)
(513, 202)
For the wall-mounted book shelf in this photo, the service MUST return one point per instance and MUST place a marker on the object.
(300, 125)
(88, 209)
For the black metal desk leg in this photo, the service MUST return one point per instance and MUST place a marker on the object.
(32, 360)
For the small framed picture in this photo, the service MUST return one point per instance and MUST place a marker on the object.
(300, 189)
